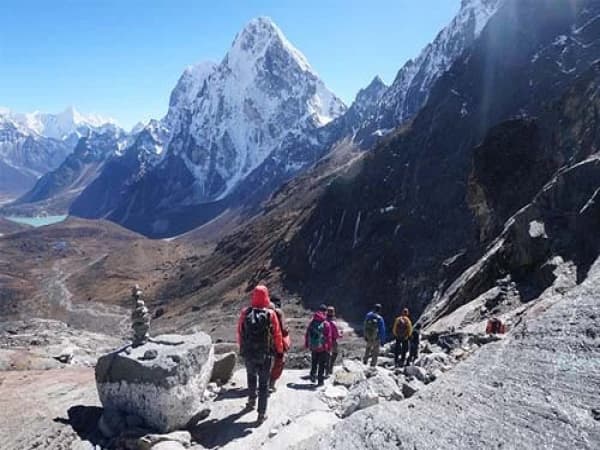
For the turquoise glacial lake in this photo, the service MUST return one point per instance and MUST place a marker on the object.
(37, 221)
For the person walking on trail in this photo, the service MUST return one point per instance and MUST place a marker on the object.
(279, 360)
(259, 338)
(335, 335)
(318, 341)
(402, 330)
(415, 340)
(374, 332)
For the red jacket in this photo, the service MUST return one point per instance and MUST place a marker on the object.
(260, 299)
(327, 344)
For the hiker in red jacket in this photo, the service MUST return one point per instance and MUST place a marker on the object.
(318, 340)
(259, 338)
(279, 362)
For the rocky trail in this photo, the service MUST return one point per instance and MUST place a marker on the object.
(296, 411)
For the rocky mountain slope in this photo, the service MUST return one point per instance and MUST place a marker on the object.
(536, 388)
(34, 144)
(414, 215)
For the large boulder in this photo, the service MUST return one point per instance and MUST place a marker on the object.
(162, 381)
(360, 397)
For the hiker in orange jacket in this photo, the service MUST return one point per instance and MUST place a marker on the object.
(402, 331)
(259, 338)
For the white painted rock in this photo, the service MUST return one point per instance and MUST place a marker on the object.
(165, 391)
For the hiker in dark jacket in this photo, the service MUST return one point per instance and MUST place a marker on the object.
(374, 332)
(335, 335)
(402, 330)
(415, 340)
(259, 338)
(279, 360)
(318, 341)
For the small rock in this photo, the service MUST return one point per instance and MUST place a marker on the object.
(65, 357)
(273, 432)
(149, 355)
(408, 390)
(417, 372)
(349, 374)
(223, 367)
(435, 375)
(183, 438)
(596, 413)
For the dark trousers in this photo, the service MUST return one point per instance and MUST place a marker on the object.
(259, 371)
(413, 354)
(331, 360)
(400, 350)
(317, 368)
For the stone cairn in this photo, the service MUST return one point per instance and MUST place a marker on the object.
(140, 318)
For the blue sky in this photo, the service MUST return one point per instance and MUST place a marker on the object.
(121, 58)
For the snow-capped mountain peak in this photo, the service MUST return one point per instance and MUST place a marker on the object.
(57, 126)
(258, 35)
(238, 111)
(410, 89)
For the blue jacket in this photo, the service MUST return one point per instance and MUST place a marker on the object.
(380, 323)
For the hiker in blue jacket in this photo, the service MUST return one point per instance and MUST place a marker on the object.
(374, 332)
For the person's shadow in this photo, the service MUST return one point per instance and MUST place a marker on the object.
(217, 433)
(232, 394)
(302, 387)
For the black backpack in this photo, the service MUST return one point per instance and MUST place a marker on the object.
(256, 334)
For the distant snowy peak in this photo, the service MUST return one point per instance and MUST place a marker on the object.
(57, 126)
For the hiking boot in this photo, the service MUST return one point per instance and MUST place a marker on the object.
(250, 404)
(261, 419)
(313, 379)
(272, 388)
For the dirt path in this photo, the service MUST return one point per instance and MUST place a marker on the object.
(91, 316)
(34, 407)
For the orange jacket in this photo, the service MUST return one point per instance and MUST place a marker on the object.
(260, 299)
(407, 331)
